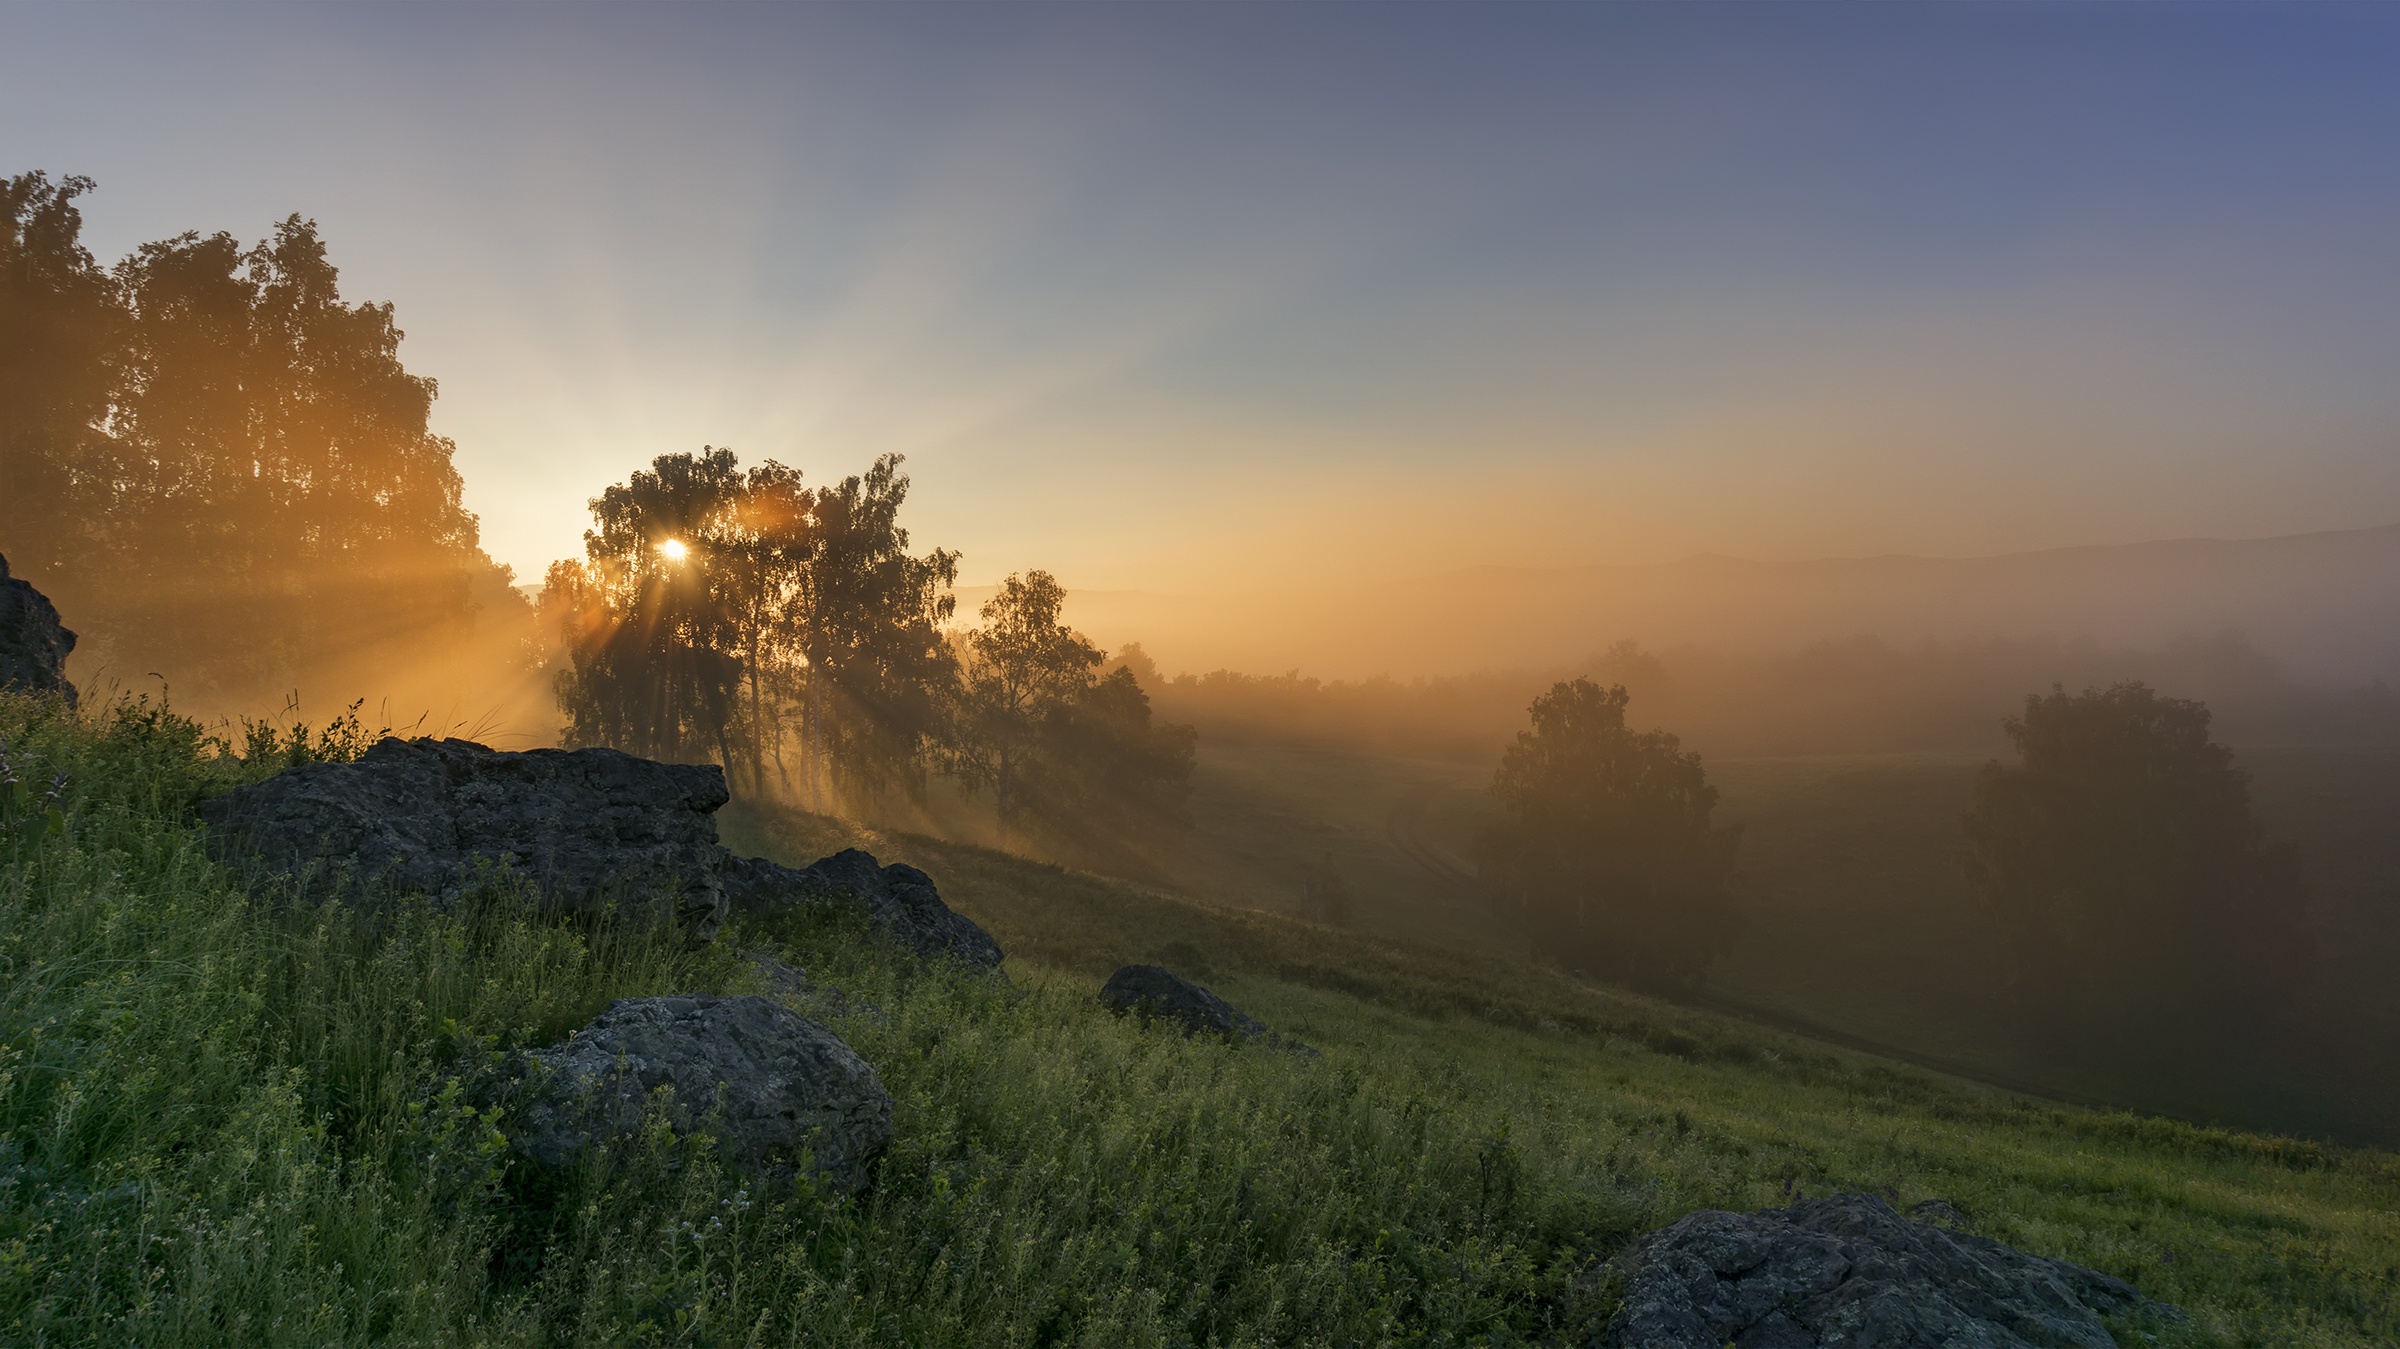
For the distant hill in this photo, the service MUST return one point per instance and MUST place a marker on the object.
(2327, 604)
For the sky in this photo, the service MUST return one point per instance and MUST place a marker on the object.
(1199, 298)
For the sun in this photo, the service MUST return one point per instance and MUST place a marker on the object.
(674, 550)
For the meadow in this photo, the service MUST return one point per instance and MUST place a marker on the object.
(237, 1115)
(1858, 923)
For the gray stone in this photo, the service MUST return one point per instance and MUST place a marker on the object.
(1156, 994)
(900, 901)
(33, 646)
(1849, 1273)
(588, 827)
(771, 1086)
(780, 978)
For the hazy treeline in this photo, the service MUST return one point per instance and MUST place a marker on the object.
(2145, 920)
(789, 633)
(1852, 695)
(221, 471)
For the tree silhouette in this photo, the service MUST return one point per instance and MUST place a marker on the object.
(62, 332)
(219, 465)
(1067, 752)
(1023, 666)
(1605, 846)
(868, 623)
(655, 634)
(2121, 858)
(714, 607)
(1102, 772)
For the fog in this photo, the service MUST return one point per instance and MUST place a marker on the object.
(1192, 442)
(2325, 606)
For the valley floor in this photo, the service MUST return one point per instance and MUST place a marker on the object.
(1859, 925)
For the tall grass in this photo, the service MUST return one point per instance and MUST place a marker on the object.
(248, 1115)
(245, 1114)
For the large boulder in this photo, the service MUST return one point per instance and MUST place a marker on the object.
(899, 899)
(771, 1086)
(588, 827)
(1848, 1273)
(33, 645)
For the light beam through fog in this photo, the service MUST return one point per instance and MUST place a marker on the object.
(1571, 560)
(1192, 300)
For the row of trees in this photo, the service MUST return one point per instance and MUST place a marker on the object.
(221, 469)
(790, 633)
(217, 465)
(2119, 858)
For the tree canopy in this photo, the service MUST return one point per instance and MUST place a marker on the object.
(216, 463)
(715, 608)
(2121, 858)
(1062, 747)
(1605, 847)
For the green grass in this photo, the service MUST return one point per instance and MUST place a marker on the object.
(245, 1116)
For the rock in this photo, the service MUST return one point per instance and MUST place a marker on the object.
(780, 978)
(589, 827)
(33, 646)
(1848, 1273)
(900, 901)
(777, 1084)
(1154, 993)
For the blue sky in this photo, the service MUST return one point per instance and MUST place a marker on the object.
(1195, 297)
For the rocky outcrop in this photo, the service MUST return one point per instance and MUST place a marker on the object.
(588, 827)
(33, 645)
(1847, 1273)
(771, 1086)
(900, 901)
(1156, 994)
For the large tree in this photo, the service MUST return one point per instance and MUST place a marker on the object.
(1024, 666)
(654, 614)
(218, 465)
(2122, 861)
(1605, 847)
(714, 607)
(868, 619)
(1070, 754)
(62, 335)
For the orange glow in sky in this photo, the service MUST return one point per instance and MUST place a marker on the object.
(1214, 299)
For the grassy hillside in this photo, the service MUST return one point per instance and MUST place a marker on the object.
(246, 1116)
(1859, 920)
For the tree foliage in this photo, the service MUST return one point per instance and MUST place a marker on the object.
(1025, 668)
(716, 608)
(870, 626)
(655, 631)
(2121, 858)
(1069, 752)
(722, 613)
(215, 462)
(1605, 847)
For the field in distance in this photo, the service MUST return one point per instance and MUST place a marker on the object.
(1860, 926)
